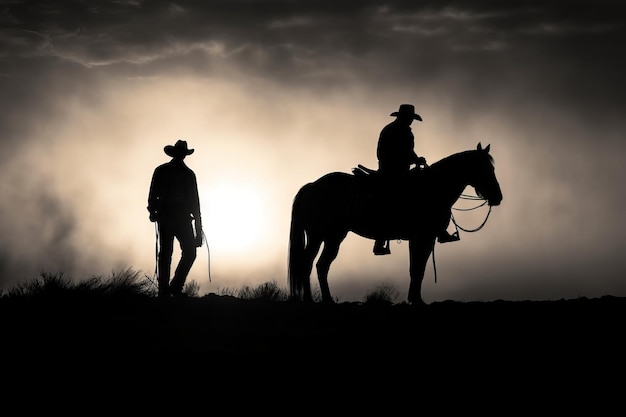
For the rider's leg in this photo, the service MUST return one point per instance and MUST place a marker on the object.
(381, 247)
(445, 236)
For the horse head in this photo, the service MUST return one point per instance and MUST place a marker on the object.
(483, 177)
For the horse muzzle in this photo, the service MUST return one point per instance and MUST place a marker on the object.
(495, 201)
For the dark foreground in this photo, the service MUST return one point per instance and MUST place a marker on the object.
(530, 348)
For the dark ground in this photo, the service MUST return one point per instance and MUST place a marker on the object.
(522, 351)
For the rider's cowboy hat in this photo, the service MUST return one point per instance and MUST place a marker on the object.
(180, 148)
(407, 110)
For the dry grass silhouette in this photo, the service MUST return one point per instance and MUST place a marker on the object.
(112, 332)
(129, 282)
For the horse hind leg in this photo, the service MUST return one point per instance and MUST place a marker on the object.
(329, 254)
(310, 252)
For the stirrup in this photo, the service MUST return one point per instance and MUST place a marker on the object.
(382, 251)
(446, 237)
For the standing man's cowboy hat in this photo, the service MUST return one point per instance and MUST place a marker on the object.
(407, 110)
(179, 149)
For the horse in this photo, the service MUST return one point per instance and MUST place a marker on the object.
(415, 208)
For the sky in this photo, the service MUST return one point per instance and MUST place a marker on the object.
(274, 94)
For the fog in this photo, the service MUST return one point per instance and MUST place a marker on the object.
(272, 101)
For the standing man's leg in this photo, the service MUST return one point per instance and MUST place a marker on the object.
(166, 248)
(186, 238)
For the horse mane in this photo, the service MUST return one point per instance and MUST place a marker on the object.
(468, 156)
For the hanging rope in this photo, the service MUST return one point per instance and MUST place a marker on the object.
(208, 252)
(156, 256)
(434, 264)
(156, 250)
(153, 280)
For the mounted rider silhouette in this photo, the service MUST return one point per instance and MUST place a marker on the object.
(396, 156)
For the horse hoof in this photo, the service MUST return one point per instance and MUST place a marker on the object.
(418, 304)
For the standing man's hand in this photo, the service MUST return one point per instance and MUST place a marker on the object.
(198, 232)
(198, 227)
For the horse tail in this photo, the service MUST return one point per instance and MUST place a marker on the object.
(297, 243)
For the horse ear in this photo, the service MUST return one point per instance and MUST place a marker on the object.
(487, 148)
(479, 147)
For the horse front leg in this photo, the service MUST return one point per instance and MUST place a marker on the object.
(419, 252)
(329, 254)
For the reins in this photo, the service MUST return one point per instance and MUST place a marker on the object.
(471, 197)
(456, 225)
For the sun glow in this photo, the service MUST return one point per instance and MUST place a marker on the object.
(234, 218)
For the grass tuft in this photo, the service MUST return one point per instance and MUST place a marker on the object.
(128, 282)
(384, 294)
(268, 291)
(125, 282)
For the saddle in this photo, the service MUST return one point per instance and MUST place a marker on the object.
(361, 170)
(372, 185)
(377, 189)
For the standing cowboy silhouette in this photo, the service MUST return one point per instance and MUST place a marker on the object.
(396, 155)
(173, 203)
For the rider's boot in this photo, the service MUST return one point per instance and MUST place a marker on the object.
(445, 237)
